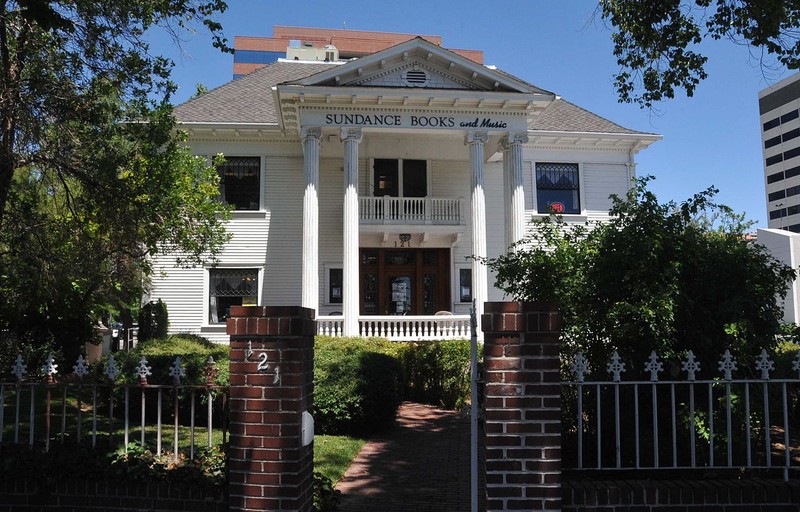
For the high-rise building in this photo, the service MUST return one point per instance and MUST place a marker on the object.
(779, 106)
(320, 44)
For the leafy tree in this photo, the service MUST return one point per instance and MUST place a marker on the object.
(666, 277)
(94, 175)
(656, 43)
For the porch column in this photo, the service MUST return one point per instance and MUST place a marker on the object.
(351, 138)
(475, 141)
(513, 186)
(310, 279)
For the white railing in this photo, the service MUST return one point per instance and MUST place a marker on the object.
(402, 328)
(720, 422)
(411, 210)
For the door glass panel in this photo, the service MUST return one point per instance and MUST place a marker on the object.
(370, 294)
(430, 305)
(415, 178)
(369, 257)
(400, 295)
(400, 257)
(385, 178)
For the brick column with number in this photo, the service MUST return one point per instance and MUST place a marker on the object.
(271, 373)
(523, 406)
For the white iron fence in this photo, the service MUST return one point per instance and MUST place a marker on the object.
(82, 410)
(721, 422)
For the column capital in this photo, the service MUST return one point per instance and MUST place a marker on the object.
(512, 139)
(475, 137)
(310, 132)
(351, 134)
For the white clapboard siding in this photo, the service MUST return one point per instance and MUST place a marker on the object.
(600, 181)
(331, 228)
(284, 201)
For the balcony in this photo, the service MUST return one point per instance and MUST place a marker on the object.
(411, 210)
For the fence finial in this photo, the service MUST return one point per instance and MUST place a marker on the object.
(580, 367)
(210, 371)
(691, 366)
(727, 364)
(142, 370)
(177, 371)
(19, 369)
(615, 367)
(764, 364)
(111, 370)
(81, 368)
(653, 365)
(50, 368)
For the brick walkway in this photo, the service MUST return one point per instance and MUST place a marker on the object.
(421, 465)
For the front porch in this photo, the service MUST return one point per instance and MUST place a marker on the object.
(401, 327)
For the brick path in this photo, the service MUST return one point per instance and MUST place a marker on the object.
(421, 465)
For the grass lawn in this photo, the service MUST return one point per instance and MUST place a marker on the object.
(333, 454)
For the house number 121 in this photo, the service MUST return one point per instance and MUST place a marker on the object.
(262, 366)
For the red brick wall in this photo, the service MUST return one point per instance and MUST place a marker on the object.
(81, 495)
(268, 467)
(523, 406)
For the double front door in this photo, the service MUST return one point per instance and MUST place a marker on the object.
(405, 281)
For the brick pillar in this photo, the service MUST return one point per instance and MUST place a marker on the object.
(523, 406)
(272, 370)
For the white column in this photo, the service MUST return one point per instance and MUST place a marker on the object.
(513, 186)
(310, 277)
(476, 141)
(350, 296)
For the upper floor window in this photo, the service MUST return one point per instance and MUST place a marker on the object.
(557, 188)
(400, 178)
(240, 182)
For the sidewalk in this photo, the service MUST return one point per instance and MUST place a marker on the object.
(420, 465)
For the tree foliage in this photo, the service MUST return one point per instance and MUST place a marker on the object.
(656, 43)
(94, 175)
(666, 277)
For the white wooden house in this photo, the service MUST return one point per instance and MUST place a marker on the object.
(362, 188)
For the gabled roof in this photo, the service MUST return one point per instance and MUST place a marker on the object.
(251, 99)
(248, 99)
(563, 116)
(421, 53)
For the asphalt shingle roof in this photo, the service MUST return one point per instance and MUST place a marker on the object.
(247, 99)
(563, 116)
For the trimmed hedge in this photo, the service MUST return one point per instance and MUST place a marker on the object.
(437, 372)
(357, 385)
(193, 350)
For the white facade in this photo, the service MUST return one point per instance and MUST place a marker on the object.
(784, 246)
(378, 179)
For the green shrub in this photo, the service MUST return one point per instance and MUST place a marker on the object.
(326, 497)
(437, 372)
(357, 385)
(193, 350)
(153, 321)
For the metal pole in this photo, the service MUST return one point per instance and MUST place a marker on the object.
(474, 407)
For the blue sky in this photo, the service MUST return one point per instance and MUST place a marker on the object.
(710, 139)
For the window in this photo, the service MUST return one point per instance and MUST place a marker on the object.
(557, 188)
(400, 178)
(776, 195)
(230, 287)
(240, 182)
(465, 285)
(335, 280)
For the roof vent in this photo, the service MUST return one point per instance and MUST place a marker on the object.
(415, 78)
